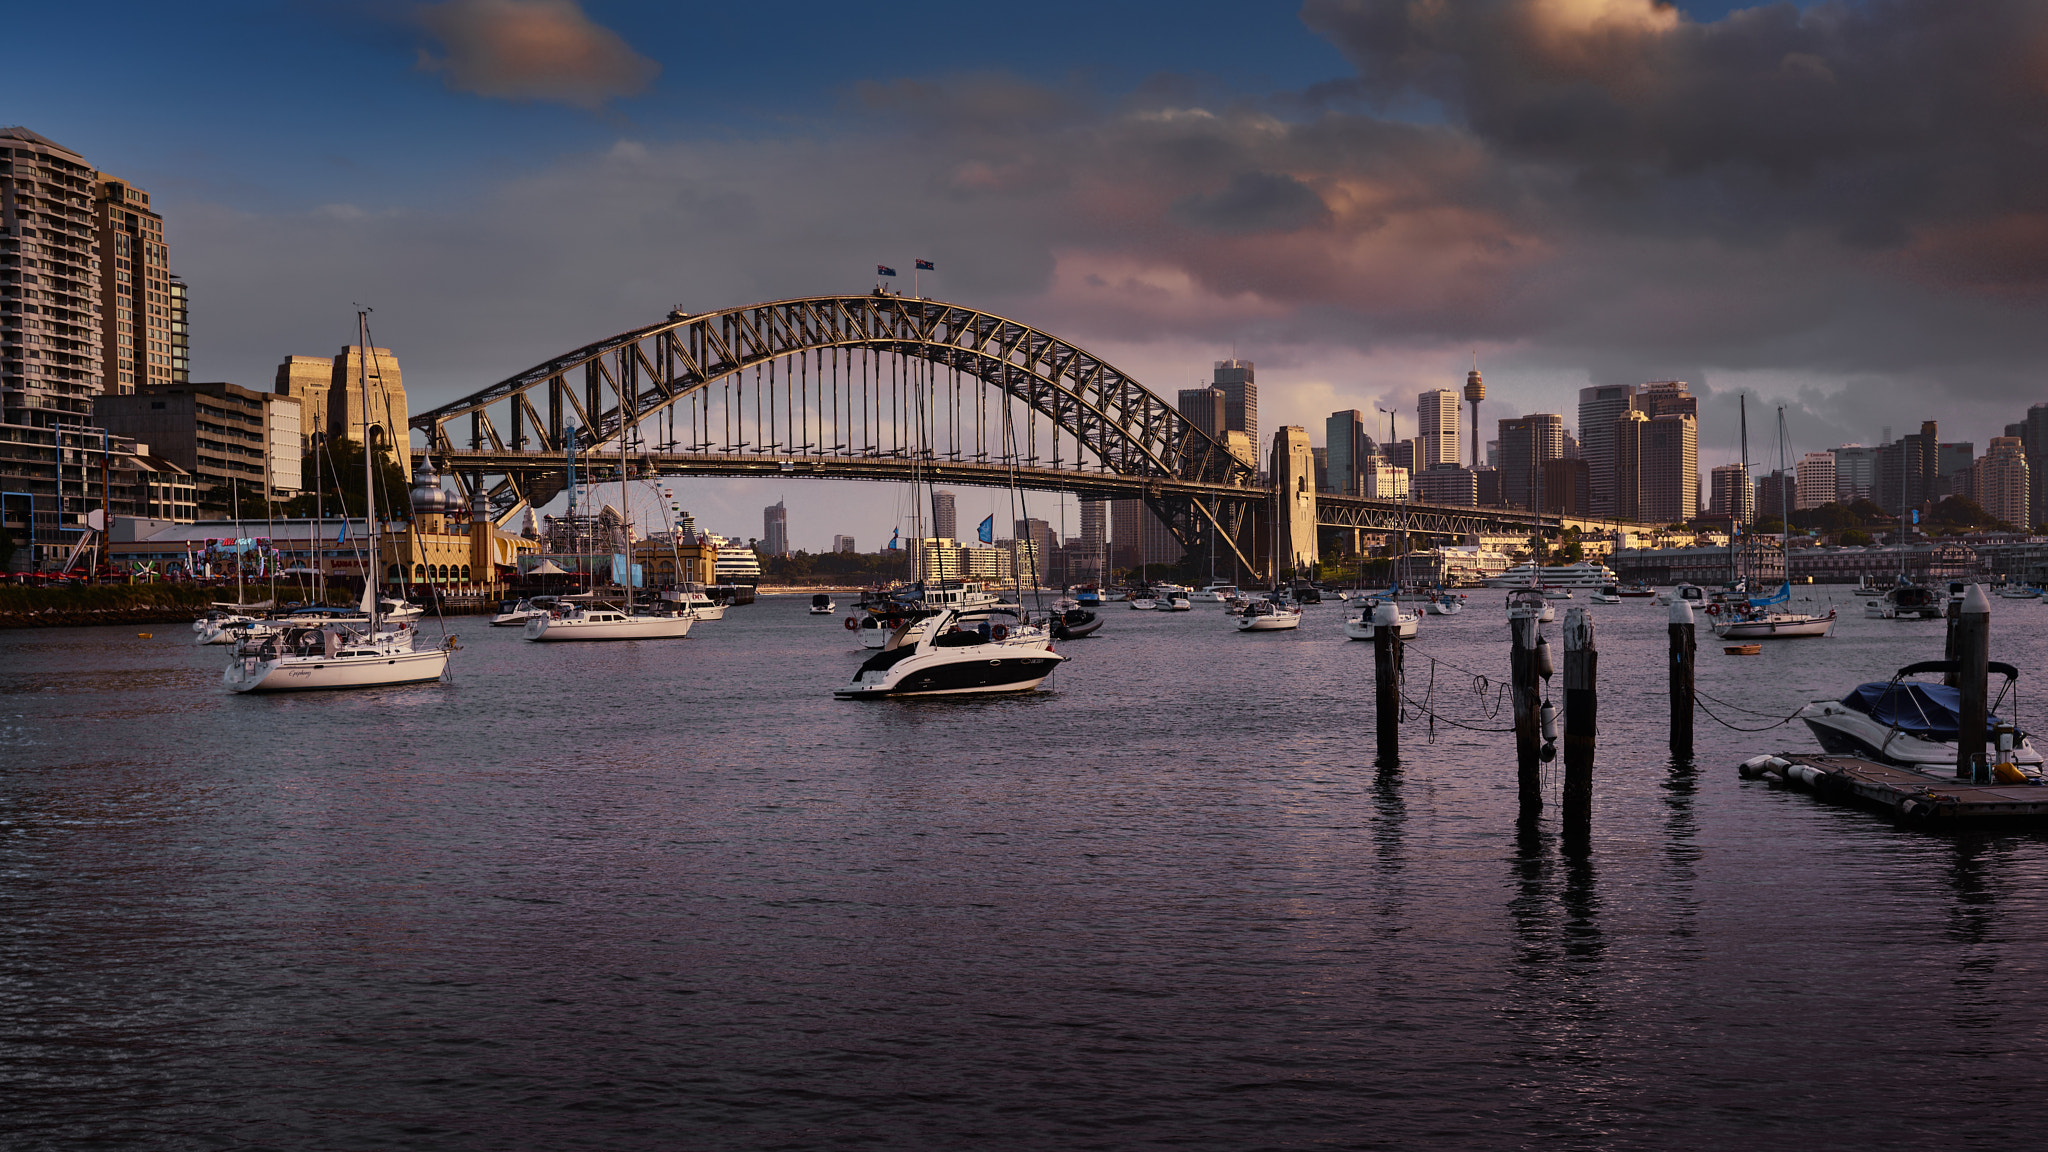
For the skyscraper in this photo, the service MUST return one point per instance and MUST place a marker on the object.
(135, 291)
(1733, 497)
(1656, 474)
(1855, 473)
(51, 352)
(1207, 409)
(1436, 429)
(1599, 408)
(1351, 452)
(775, 530)
(1525, 443)
(2003, 482)
(1094, 523)
(945, 515)
(2033, 436)
(181, 331)
(1814, 483)
(1241, 397)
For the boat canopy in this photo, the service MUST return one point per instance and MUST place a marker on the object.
(1929, 711)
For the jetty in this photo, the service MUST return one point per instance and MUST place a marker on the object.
(1917, 797)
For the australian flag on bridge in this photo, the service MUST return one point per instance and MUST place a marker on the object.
(927, 266)
(884, 270)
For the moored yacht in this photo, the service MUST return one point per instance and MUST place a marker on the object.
(822, 605)
(1581, 575)
(1266, 616)
(597, 621)
(947, 656)
(1910, 723)
(1363, 624)
(515, 614)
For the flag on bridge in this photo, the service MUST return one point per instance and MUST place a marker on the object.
(927, 266)
(884, 270)
(987, 531)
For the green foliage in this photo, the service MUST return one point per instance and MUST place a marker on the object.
(1572, 549)
(1958, 513)
(338, 465)
(6, 547)
(1854, 538)
(836, 567)
(80, 599)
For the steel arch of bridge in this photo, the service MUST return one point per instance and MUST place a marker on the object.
(1116, 426)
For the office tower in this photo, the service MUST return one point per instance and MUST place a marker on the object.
(1771, 492)
(1525, 443)
(1667, 398)
(1565, 486)
(181, 332)
(945, 515)
(1039, 532)
(1489, 486)
(1400, 454)
(2004, 482)
(1436, 429)
(1815, 483)
(1733, 497)
(1908, 470)
(775, 530)
(1322, 459)
(1447, 484)
(1351, 452)
(1475, 391)
(135, 292)
(1656, 472)
(50, 332)
(1571, 446)
(1954, 466)
(1207, 409)
(1493, 454)
(1599, 408)
(843, 544)
(1855, 473)
(1241, 397)
(1094, 523)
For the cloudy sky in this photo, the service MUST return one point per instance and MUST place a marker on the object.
(1837, 207)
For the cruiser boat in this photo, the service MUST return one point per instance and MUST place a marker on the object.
(1909, 723)
(515, 614)
(692, 598)
(1214, 593)
(1266, 616)
(1908, 602)
(1359, 625)
(607, 622)
(950, 657)
(1443, 603)
(1610, 594)
(1172, 602)
(822, 605)
(1566, 576)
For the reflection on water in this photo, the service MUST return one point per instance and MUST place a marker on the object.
(653, 896)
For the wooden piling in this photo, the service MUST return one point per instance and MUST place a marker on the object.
(1386, 670)
(1973, 676)
(1581, 716)
(1523, 609)
(1684, 647)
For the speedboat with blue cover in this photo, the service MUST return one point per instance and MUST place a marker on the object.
(1909, 723)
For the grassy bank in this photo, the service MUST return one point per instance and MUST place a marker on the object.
(111, 604)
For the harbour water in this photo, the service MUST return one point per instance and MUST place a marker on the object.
(673, 895)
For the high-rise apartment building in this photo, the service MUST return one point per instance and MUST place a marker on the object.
(1240, 397)
(1039, 532)
(775, 530)
(945, 515)
(1656, 473)
(1352, 454)
(224, 435)
(1599, 407)
(1732, 497)
(1436, 429)
(2004, 482)
(51, 362)
(1814, 480)
(2033, 437)
(181, 332)
(135, 287)
(1525, 443)
(1855, 473)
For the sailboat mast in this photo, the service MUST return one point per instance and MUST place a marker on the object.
(370, 597)
(625, 522)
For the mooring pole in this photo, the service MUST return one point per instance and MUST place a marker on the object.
(1581, 715)
(1684, 646)
(1949, 651)
(1973, 675)
(1524, 610)
(1386, 670)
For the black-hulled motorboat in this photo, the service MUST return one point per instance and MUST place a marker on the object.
(951, 657)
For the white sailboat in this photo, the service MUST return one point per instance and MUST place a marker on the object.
(589, 619)
(1761, 618)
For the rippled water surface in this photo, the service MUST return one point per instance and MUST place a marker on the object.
(673, 895)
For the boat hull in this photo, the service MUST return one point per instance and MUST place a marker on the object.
(1269, 624)
(1843, 732)
(318, 674)
(1407, 627)
(547, 630)
(1775, 630)
(1019, 671)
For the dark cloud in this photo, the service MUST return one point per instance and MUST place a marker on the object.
(1254, 202)
(547, 50)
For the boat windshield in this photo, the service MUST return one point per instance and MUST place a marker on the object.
(1931, 711)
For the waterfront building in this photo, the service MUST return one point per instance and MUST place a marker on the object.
(136, 308)
(1351, 452)
(775, 530)
(447, 546)
(1526, 442)
(1855, 473)
(221, 433)
(2004, 483)
(945, 515)
(59, 475)
(50, 283)
(1436, 429)
(1814, 480)
(1240, 397)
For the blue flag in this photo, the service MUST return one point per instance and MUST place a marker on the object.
(341, 537)
(893, 535)
(884, 270)
(927, 266)
(987, 531)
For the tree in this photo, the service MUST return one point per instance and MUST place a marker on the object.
(1854, 538)
(333, 474)
(1574, 548)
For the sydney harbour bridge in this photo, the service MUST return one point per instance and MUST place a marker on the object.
(880, 387)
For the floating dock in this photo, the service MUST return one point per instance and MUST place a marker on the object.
(1907, 794)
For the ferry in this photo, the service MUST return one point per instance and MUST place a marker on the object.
(1580, 575)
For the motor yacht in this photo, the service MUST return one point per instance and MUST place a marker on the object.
(699, 605)
(1547, 576)
(1360, 625)
(1213, 593)
(1909, 723)
(1609, 594)
(1266, 616)
(1172, 602)
(1908, 602)
(515, 614)
(822, 605)
(948, 657)
(596, 621)
(1145, 602)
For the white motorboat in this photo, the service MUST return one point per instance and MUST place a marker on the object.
(1609, 594)
(1360, 625)
(1907, 602)
(607, 622)
(1909, 723)
(947, 656)
(516, 614)
(1690, 593)
(1214, 593)
(691, 598)
(1554, 576)
(1144, 603)
(1173, 602)
(822, 605)
(1266, 616)
(1443, 603)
